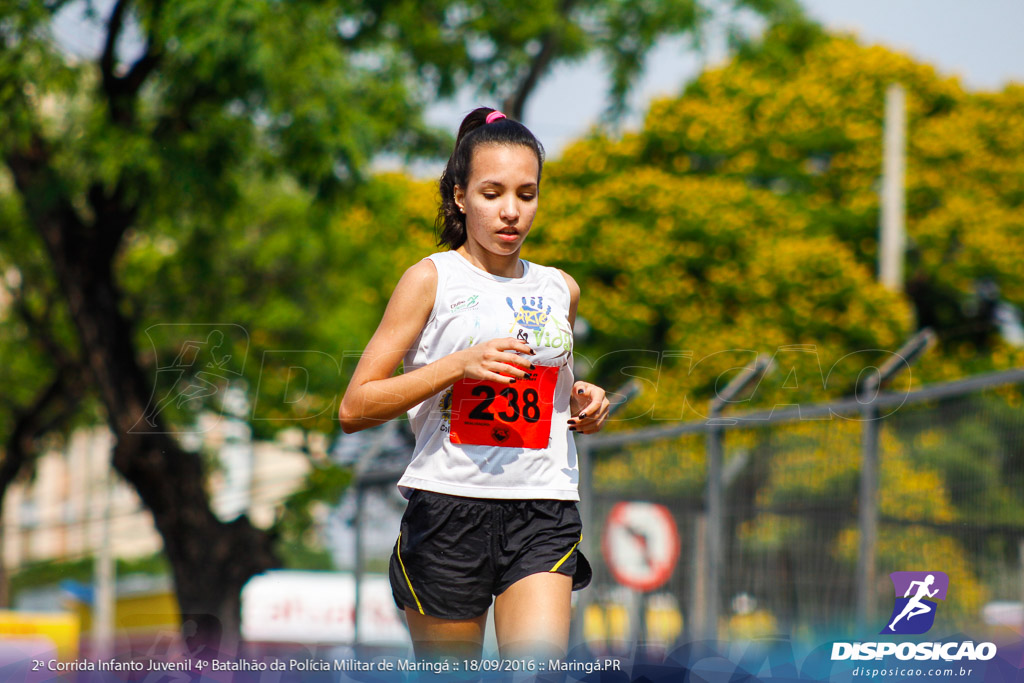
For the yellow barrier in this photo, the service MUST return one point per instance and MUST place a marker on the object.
(60, 627)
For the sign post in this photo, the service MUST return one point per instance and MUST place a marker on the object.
(641, 546)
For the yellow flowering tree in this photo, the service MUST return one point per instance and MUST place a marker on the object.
(802, 116)
(743, 218)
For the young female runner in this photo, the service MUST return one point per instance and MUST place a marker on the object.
(486, 342)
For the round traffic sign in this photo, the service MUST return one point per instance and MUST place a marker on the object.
(640, 544)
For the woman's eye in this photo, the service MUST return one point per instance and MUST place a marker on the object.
(526, 197)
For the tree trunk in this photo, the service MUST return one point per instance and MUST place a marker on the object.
(211, 560)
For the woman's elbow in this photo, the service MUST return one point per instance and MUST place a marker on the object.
(349, 419)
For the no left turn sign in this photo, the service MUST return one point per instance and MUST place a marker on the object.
(640, 544)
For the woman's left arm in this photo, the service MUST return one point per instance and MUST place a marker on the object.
(588, 404)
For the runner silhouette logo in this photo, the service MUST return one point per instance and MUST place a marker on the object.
(916, 593)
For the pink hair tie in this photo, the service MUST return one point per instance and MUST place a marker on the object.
(494, 116)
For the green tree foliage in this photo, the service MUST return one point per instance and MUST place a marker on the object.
(177, 184)
(503, 48)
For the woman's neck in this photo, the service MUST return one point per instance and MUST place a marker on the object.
(495, 264)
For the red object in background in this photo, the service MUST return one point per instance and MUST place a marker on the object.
(640, 544)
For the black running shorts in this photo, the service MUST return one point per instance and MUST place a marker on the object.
(454, 554)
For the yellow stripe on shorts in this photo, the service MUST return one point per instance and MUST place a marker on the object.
(406, 575)
(564, 557)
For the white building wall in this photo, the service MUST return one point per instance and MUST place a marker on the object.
(57, 515)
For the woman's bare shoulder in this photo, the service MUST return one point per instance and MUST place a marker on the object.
(570, 282)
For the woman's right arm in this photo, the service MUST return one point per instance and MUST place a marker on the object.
(376, 394)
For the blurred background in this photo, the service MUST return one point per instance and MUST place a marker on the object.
(797, 227)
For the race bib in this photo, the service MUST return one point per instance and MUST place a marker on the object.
(486, 413)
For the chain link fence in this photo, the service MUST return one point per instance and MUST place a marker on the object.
(818, 504)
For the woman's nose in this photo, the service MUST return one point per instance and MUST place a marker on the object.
(510, 210)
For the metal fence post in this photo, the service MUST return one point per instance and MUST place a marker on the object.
(585, 466)
(867, 512)
(1020, 568)
(714, 529)
(359, 480)
(359, 570)
(739, 386)
(867, 516)
(585, 463)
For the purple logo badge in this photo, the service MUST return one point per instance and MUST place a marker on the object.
(916, 593)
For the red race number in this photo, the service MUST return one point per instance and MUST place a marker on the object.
(516, 415)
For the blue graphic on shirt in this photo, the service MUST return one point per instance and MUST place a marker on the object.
(531, 313)
(533, 316)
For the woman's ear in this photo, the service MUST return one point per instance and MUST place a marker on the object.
(460, 198)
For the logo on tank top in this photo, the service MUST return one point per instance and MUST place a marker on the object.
(533, 316)
(465, 304)
(530, 314)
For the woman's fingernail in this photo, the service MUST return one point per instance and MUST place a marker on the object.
(532, 366)
(572, 429)
(579, 391)
(513, 381)
(582, 415)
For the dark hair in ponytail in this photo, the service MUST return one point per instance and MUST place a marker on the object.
(474, 131)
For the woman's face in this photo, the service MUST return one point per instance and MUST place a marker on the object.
(500, 197)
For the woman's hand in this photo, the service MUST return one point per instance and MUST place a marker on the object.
(494, 360)
(590, 408)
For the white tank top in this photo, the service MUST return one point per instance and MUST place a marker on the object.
(495, 441)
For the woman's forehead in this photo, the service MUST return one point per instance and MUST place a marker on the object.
(504, 163)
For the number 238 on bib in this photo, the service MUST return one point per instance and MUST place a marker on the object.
(516, 415)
